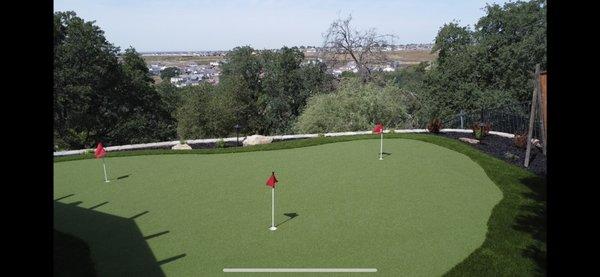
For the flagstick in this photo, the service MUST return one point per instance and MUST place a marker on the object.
(104, 166)
(273, 228)
(381, 147)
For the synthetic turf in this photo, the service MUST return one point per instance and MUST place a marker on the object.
(419, 212)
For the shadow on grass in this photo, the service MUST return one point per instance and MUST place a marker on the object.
(386, 153)
(532, 220)
(71, 256)
(116, 243)
(138, 215)
(168, 260)
(61, 198)
(290, 217)
(123, 177)
(156, 235)
(99, 205)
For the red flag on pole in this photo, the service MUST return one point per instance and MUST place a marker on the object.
(272, 180)
(100, 152)
(378, 128)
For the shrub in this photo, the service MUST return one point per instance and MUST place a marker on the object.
(480, 130)
(321, 135)
(220, 143)
(353, 107)
(521, 140)
(435, 125)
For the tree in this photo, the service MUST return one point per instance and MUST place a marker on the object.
(282, 86)
(240, 76)
(451, 40)
(355, 106)
(85, 73)
(343, 42)
(96, 97)
(192, 114)
(270, 88)
(169, 72)
(511, 41)
(492, 63)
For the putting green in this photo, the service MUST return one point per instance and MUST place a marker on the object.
(419, 212)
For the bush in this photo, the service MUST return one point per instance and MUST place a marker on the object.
(220, 143)
(521, 140)
(480, 130)
(353, 107)
(435, 125)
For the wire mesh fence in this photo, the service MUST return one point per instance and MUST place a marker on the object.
(513, 119)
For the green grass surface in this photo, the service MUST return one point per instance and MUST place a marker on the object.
(424, 210)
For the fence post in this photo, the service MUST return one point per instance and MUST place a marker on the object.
(534, 104)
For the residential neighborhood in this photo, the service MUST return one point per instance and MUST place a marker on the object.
(193, 73)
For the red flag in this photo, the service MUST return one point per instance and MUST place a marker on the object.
(378, 128)
(272, 180)
(100, 151)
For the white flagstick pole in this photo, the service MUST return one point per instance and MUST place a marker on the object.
(273, 228)
(381, 147)
(104, 166)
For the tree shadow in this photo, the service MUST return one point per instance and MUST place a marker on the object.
(290, 217)
(532, 219)
(116, 244)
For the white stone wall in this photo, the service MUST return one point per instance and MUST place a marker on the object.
(280, 137)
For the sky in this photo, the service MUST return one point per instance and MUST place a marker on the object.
(186, 25)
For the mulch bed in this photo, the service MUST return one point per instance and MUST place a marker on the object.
(498, 147)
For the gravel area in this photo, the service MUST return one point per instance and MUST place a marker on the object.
(506, 150)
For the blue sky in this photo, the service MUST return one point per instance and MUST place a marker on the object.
(152, 25)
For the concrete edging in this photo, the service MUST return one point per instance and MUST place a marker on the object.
(278, 137)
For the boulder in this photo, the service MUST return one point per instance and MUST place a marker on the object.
(257, 139)
(180, 146)
(469, 140)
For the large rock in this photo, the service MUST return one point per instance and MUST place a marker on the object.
(180, 146)
(257, 139)
(469, 140)
(537, 143)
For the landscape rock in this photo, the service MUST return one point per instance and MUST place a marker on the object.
(537, 143)
(180, 146)
(469, 140)
(511, 156)
(256, 140)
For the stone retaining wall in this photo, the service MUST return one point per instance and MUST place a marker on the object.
(169, 144)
